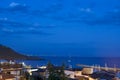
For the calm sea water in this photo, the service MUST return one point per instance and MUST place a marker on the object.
(111, 62)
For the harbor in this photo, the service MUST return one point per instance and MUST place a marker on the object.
(59, 39)
(12, 69)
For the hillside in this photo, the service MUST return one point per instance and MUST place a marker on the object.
(9, 54)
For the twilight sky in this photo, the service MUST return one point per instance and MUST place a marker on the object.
(61, 27)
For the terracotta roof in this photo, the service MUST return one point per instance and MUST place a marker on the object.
(7, 66)
(6, 76)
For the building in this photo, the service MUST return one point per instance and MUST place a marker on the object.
(87, 71)
(78, 74)
(4, 76)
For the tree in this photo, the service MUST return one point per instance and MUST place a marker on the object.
(50, 71)
(56, 73)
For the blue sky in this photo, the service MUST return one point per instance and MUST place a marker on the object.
(86, 28)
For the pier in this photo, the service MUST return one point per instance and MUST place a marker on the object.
(101, 68)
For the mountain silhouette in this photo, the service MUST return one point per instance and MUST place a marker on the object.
(7, 53)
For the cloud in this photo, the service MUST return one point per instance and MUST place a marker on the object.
(14, 7)
(79, 16)
(5, 18)
(47, 11)
(8, 23)
(7, 30)
(111, 18)
(23, 31)
(13, 4)
(25, 9)
(12, 27)
(85, 9)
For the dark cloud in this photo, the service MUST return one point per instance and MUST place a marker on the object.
(14, 7)
(53, 8)
(76, 17)
(23, 31)
(19, 8)
(111, 18)
(45, 12)
(24, 9)
(83, 15)
(16, 31)
(14, 24)
(12, 27)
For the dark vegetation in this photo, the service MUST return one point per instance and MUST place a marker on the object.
(7, 53)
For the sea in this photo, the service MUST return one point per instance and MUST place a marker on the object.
(74, 61)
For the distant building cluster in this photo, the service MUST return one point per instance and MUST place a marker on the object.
(12, 70)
